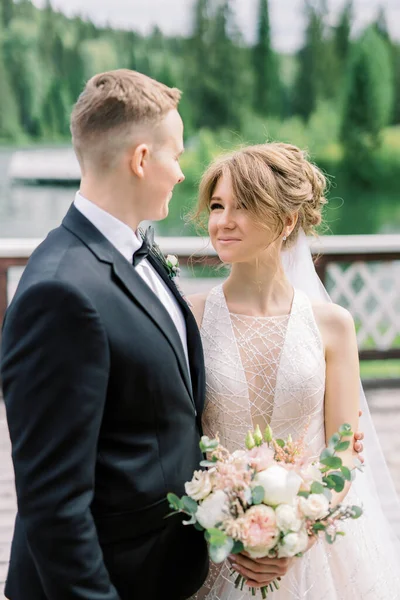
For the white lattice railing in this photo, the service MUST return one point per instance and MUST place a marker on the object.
(362, 273)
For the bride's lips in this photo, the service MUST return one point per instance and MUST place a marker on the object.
(226, 241)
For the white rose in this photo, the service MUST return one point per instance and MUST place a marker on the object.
(292, 544)
(172, 259)
(287, 518)
(316, 506)
(200, 486)
(213, 509)
(312, 473)
(280, 486)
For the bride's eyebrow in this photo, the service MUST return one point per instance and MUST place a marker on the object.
(216, 198)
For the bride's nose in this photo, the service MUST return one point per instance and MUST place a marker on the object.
(226, 220)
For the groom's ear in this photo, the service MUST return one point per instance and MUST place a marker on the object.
(139, 159)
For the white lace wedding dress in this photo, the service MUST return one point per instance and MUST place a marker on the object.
(272, 370)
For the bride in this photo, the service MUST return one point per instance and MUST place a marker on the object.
(278, 355)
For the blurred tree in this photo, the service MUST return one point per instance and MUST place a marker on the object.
(7, 11)
(10, 128)
(25, 73)
(308, 84)
(75, 70)
(381, 24)
(369, 101)
(342, 33)
(396, 109)
(267, 86)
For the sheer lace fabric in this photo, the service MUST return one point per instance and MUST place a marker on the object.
(272, 370)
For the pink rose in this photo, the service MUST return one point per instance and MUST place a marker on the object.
(261, 457)
(259, 532)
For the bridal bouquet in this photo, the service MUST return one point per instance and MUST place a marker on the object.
(267, 499)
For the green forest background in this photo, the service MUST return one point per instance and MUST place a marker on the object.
(338, 97)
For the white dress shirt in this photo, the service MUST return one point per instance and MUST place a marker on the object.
(126, 242)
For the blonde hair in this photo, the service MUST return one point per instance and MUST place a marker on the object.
(272, 181)
(108, 107)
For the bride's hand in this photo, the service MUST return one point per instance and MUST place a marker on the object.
(259, 572)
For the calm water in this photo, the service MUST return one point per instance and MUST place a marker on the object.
(31, 211)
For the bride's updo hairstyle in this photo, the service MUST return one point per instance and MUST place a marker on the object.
(272, 181)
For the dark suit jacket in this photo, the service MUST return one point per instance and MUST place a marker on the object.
(104, 421)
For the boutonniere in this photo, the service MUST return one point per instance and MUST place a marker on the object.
(169, 262)
(172, 264)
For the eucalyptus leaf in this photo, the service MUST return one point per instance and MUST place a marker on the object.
(237, 547)
(217, 537)
(303, 494)
(345, 430)
(346, 473)
(334, 462)
(326, 453)
(329, 538)
(357, 512)
(334, 440)
(257, 494)
(317, 488)
(198, 526)
(189, 504)
(339, 482)
(342, 446)
(174, 502)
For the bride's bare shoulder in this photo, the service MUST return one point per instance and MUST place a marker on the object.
(197, 304)
(333, 320)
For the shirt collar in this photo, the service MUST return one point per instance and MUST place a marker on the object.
(118, 233)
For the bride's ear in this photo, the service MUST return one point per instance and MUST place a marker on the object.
(290, 223)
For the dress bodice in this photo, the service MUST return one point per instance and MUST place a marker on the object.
(263, 370)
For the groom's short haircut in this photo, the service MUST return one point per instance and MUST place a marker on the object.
(107, 111)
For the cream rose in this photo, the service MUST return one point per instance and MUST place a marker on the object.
(280, 486)
(315, 507)
(172, 259)
(287, 518)
(292, 544)
(213, 510)
(200, 486)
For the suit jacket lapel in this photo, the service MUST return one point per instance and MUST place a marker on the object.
(131, 282)
(195, 348)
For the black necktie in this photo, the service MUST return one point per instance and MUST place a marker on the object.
(143, 251)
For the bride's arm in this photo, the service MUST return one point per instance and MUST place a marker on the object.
(342, 391)
(197, 304)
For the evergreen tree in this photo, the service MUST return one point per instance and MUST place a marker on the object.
(308, 84)
(396, 62)
(7, 11)
(369, 100)
(267, 87)
(342, 33)
(381, 25)
(10, 128)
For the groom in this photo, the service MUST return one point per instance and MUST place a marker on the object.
(103, 373)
